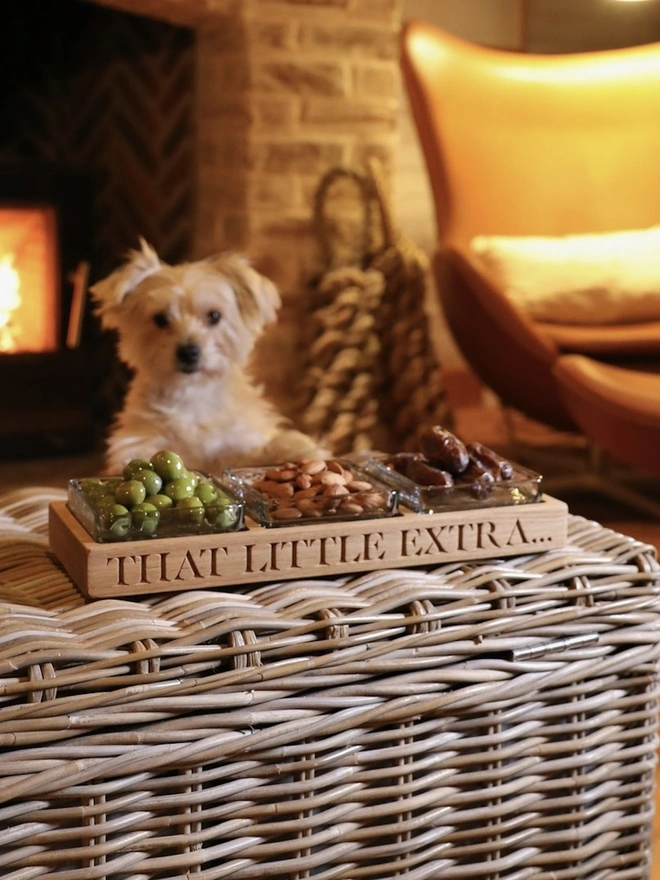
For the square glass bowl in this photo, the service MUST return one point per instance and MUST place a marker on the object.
(221, 510)
(288, 495)
(524, 487)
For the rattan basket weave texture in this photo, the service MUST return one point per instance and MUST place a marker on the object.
(495, 720)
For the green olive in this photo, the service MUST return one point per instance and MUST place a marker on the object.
(145, 517)
(93, 486)
(179, 488)
(105, 504)
(192, 510)
(97, 488)
(221, 516)
(121, 527)
(193, 476)
(167, 464)
(152, 482)
(160, 501)
(130, 493)
(206, 491)
(119, 521)
(134, 465)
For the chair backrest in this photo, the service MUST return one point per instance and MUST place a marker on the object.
(519, 144)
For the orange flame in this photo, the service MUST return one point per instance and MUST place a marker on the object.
(10, 300)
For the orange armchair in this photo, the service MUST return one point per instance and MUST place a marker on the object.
(518, 145)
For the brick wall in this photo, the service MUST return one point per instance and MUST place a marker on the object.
(286, 90)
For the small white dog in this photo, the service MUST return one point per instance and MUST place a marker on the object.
(187, 332)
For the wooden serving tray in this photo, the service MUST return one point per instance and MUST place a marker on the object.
(257, 554)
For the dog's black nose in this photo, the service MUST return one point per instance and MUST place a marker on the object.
(188, 356)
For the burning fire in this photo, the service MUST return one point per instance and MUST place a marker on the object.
(10, 300)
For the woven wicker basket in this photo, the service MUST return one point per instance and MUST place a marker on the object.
(495, 720)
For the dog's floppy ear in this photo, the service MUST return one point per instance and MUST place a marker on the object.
(257, 297)
(111, 291)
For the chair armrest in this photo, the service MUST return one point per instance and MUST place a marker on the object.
(611, 341)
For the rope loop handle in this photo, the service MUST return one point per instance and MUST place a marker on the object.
(366, 231)
(376, 183)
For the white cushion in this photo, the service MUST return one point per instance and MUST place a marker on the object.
(600, 278)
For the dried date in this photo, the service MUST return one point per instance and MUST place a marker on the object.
(403, 462)
(426, 474)
(419, 469)
(444, 450)
(479, 480)
(488, 458)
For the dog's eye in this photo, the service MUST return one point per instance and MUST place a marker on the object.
(161, 319)
(213, 317)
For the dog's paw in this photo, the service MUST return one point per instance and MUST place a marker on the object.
(292, 445)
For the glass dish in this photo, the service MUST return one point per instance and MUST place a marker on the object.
(367, 497)
(524, 487)
(222, 513)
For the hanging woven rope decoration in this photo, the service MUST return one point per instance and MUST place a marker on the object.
(373, 380)
(342, 384)
(343, 409)
(412, 373)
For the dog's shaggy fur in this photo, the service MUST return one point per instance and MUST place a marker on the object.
(187, 332)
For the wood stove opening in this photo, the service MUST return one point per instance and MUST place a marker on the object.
(29, 295)
(45, 237)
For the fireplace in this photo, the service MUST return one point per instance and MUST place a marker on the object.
(45, 388)
(95, 150)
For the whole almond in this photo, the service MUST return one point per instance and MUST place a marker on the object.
(351, 507)
(272, 474)
(310, 492)
(286, 513)
(312, 466)
(334, 490)
(280, 475)
(329, 478)
(303, 481)
(309, 507)
(265, 486)
(280, 490)
(359, 486)
(371, 500)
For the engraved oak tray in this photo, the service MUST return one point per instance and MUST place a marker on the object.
(256, 554)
